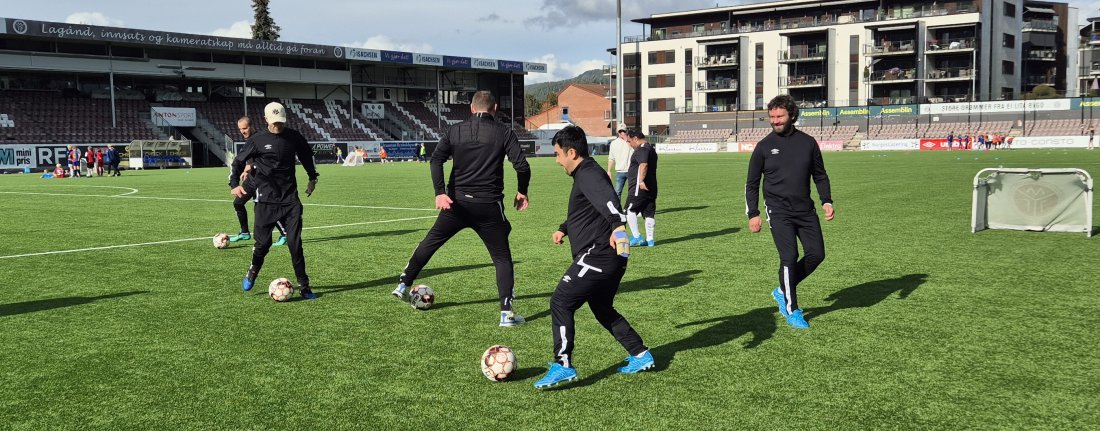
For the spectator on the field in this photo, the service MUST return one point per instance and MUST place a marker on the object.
(112, 166)
(99, 162)
(1092, 136)
(950, 139)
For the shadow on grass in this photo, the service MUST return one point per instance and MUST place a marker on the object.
(391, 281)
(678, 209)
(525, 373)
(868, 294)
(49, 304)
(363, 235)
(700, 235)
(760, 323)
(663, 282)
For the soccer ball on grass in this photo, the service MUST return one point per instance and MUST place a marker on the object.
(221, 240)
(498, 363)
(280, 289)
(422, 297)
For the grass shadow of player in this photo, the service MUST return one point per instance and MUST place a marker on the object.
(525, 373)
(363, 235)
(678, 209)
(700, 235)
(868, 294)
(49, 304)
(660, 282)
(391, 281)
(759, 323)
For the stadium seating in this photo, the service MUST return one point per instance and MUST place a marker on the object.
(45, 117)
(700, 136)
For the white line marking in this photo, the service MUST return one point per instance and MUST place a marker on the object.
(128, 196)
(205, 238)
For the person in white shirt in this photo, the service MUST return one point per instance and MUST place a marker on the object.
(618, 161)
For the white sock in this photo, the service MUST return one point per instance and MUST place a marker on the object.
(632, 221)
(641, 354)
(650, 222)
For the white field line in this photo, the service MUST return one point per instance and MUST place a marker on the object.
(130, 196)
(205, 238)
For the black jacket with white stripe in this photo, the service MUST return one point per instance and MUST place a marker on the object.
(594, 210)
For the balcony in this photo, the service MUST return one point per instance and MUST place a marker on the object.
(1040, 26)
(714, 61)
(945, 74)
(800, 53)
(890, 47)
(1040, 80)
(937, 46)
(717, 85)
(802, 81)
(1042, 55)
(893, 76)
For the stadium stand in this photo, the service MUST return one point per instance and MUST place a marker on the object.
(700, 136)
(47, 117)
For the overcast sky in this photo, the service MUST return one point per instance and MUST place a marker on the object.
(570, 36)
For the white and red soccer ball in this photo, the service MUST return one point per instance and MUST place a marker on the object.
(280, 290)
(422, 297)
(498, 363)
(221, 240)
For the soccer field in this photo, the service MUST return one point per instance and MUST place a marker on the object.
(118, 312)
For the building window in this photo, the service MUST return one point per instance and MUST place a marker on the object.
(662, 81)
(662, 105)
(1010, 10)
(662, 57)
(1008, 67)
(1008, 41)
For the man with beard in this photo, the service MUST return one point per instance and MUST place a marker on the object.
(786, 159)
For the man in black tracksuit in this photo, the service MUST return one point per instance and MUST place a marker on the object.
(642, 198)
(244, 124)
(600, 248)
(787, 158)
(474, 196)
(272, 154)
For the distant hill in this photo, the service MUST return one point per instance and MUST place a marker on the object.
(542, 91)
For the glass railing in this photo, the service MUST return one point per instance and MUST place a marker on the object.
(721, 84)
(893, 74)
(935, 44)
(1042, 54)
(717, 60)
(794, 81)
(950, 72)
(803, 51)
(889, 46)
(1041, 25)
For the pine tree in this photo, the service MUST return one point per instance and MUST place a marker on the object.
(264, 28)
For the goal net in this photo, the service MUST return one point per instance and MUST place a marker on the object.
(1055, 200)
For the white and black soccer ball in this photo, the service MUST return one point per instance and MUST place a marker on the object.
(280, 290)
(498, 363)
(221, 240)
(422, 297)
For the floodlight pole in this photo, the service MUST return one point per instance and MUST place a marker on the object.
(620, 111)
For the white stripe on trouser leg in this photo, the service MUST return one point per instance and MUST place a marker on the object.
(564, 343)
(787, 289)
(501, 205)
(585, 267)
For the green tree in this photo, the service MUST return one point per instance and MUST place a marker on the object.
(1043, 91)
(531, 105)
(264, 28)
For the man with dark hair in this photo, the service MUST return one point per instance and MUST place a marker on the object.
(597, 239)
(272, 154)
(112, 166)
(244, 124)
(787, 158)
(473, 198)
(643, 188)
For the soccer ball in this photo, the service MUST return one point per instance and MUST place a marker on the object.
(280, 289)
(422, 297)
(498, 362)
(221, 240)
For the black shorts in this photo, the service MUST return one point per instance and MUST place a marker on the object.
(645, 204)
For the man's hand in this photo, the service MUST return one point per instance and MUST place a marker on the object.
(755, 224)
(244, 175)
(643, 187)
(443, 202)
(829, 211)
(521, 201)
(310, 186)
(619, 241)
(238, 192)
(557, 237)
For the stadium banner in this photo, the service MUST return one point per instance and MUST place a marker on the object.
(746, 147)
(428, 59)
(855, 111)
(484, 63)
(399, 149)
(17, 157)
(362, 54)
(175, 117)
(933, 145)
(456, 62)
(711, 147)
(374, 111)
(888, 110)
(889, 145)
(509, 66)
(3, 25)
(816, 113)
(1000, 106)
(70, 32)
(534, 67)
(830, 145)
(1050, 142)
(397, 57)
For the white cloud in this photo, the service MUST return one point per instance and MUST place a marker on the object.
(239, 29)
(556, 70)
(571, 13)
(93, 18)
(384, 42)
